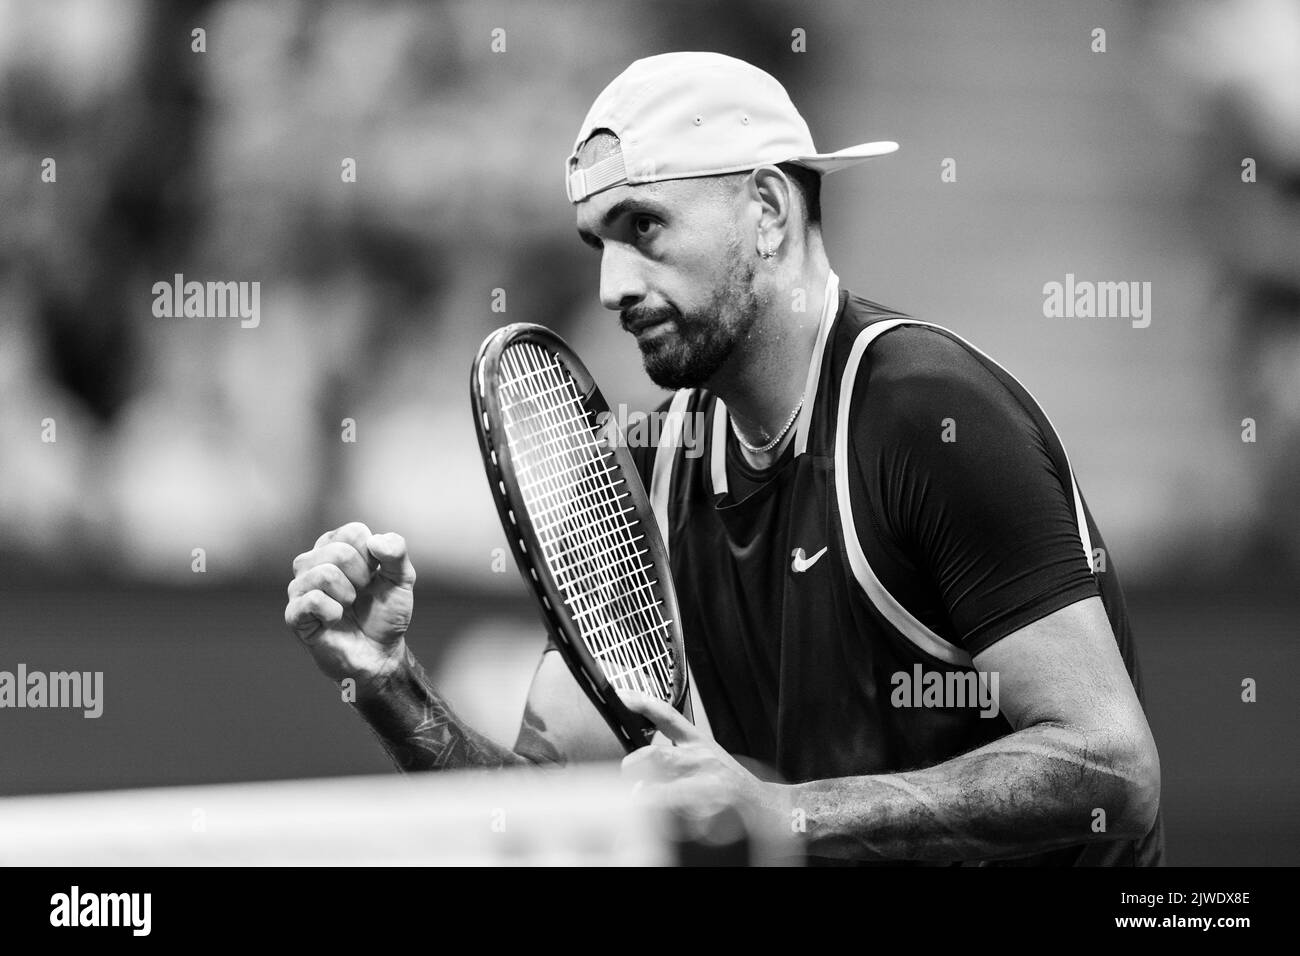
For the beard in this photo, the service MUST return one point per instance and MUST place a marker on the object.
(705, 338)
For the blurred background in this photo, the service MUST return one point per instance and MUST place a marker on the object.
(225, 164)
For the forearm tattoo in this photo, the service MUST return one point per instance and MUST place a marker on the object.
(421, 732)
(1029, 792)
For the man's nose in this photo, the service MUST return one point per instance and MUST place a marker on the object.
(621, 282)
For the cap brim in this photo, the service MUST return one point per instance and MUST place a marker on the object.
(842, 158)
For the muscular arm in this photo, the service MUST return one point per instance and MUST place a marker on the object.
(989, 525)
(420, 731)
(1081, 743)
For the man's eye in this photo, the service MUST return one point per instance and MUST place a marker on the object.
(644, 226)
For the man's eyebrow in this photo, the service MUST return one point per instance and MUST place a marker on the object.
(621, 208)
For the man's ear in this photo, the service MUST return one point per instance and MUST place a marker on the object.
(774, 192)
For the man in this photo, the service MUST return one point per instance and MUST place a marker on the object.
(880, 517)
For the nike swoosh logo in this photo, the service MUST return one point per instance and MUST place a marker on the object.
(799, 564)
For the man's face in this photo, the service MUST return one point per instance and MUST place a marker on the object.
(674, 265)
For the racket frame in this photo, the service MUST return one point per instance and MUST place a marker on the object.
(631, 729)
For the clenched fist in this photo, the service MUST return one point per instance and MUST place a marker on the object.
(351, 601)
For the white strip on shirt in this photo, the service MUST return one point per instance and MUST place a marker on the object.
(670, 438)
(894, 612)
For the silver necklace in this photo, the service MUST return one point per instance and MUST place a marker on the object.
(764, 449)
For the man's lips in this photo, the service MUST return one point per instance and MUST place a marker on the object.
(639, 326)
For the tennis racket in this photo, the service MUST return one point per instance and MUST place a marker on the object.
(579, 523)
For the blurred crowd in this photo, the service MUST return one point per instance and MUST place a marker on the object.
(228, 163)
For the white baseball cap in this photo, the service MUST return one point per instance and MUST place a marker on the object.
(682, 115)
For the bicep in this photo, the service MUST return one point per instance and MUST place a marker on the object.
(1066, 669)
(560, 725)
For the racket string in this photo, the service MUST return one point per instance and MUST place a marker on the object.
(620, 655)
(559, 555)
(592, 581)
(587, 539)
(548, 374)
(576, 579)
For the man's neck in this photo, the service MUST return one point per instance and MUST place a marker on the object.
(764, 381)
